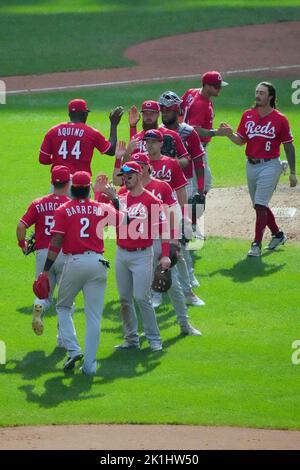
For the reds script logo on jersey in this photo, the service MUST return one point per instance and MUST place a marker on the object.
(136, 211)
(255, 130)
(163, 174)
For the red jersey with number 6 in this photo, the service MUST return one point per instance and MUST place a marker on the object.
(263, 135)
(81, 222)
(41, 214)
(72, 144)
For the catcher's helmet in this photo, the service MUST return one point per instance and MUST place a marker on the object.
(170, 100)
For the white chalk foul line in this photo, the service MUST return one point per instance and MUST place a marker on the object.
(148, 80)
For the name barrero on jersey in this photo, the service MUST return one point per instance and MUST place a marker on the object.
(255, 130)
(47, 206)
(85, 210)
(66, 131)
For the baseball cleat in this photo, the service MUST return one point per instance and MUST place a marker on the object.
(71, 361)
(279, 239)
(194, 281)
(127, 345)
(155, 346)
(37, 322)
(255, 249)
(189, 330)
(193, 299)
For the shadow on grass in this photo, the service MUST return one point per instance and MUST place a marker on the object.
(50, 312)
(35, 364)
(73, 386)
(250, 268)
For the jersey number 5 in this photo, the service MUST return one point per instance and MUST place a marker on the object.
(49, 224)
(63, 150)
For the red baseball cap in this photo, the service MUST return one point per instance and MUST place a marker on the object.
(81, 178)
(150, 106)
(78, 105)
(213, 78)
(130, 167)
(153, 134)
(140, 157)
(60, 174)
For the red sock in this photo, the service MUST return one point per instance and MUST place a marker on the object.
(261, 222)
(271, 222)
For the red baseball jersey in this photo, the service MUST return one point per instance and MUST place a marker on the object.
(82, 221)
(41, 214)
(168, 169)
(263, 135)
(72, 144)
(180, 149)
(147, 220)
(192, 142)
(198, 111)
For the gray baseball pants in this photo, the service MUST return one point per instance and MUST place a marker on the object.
(175, 292)
(134, 270)
(207, 173)
(262, 180)
(84, 273)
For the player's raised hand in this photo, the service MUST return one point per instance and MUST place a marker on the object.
(132, 146)
(110, 191)
(116, 114)
(120, 149)
(293, 180)
(133, 116)
(100, 183)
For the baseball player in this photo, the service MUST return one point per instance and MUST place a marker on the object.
(40, 213)
(72, 143)
(198, 111)
(78, 230)
(263, 128)
(164, 193)
(172, 143)
(167, 169)
(134, 257)
(170, 106)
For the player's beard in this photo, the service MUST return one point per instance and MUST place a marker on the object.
(152, 125)
(169, 122)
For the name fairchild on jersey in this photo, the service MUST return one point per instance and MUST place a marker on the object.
(47, 206)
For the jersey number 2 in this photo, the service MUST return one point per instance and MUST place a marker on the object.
(63, 150)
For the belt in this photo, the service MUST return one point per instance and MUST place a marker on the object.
(85, 253)
(255, 161)
(134, 249)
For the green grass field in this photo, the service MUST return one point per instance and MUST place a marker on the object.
(238, 373)
(48, 36)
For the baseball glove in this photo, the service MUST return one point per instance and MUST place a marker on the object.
(168, 148)
(162, 280)
(174, 253)
(30, 244)
(41, 286)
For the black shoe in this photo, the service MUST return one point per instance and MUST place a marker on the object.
(70, 362)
